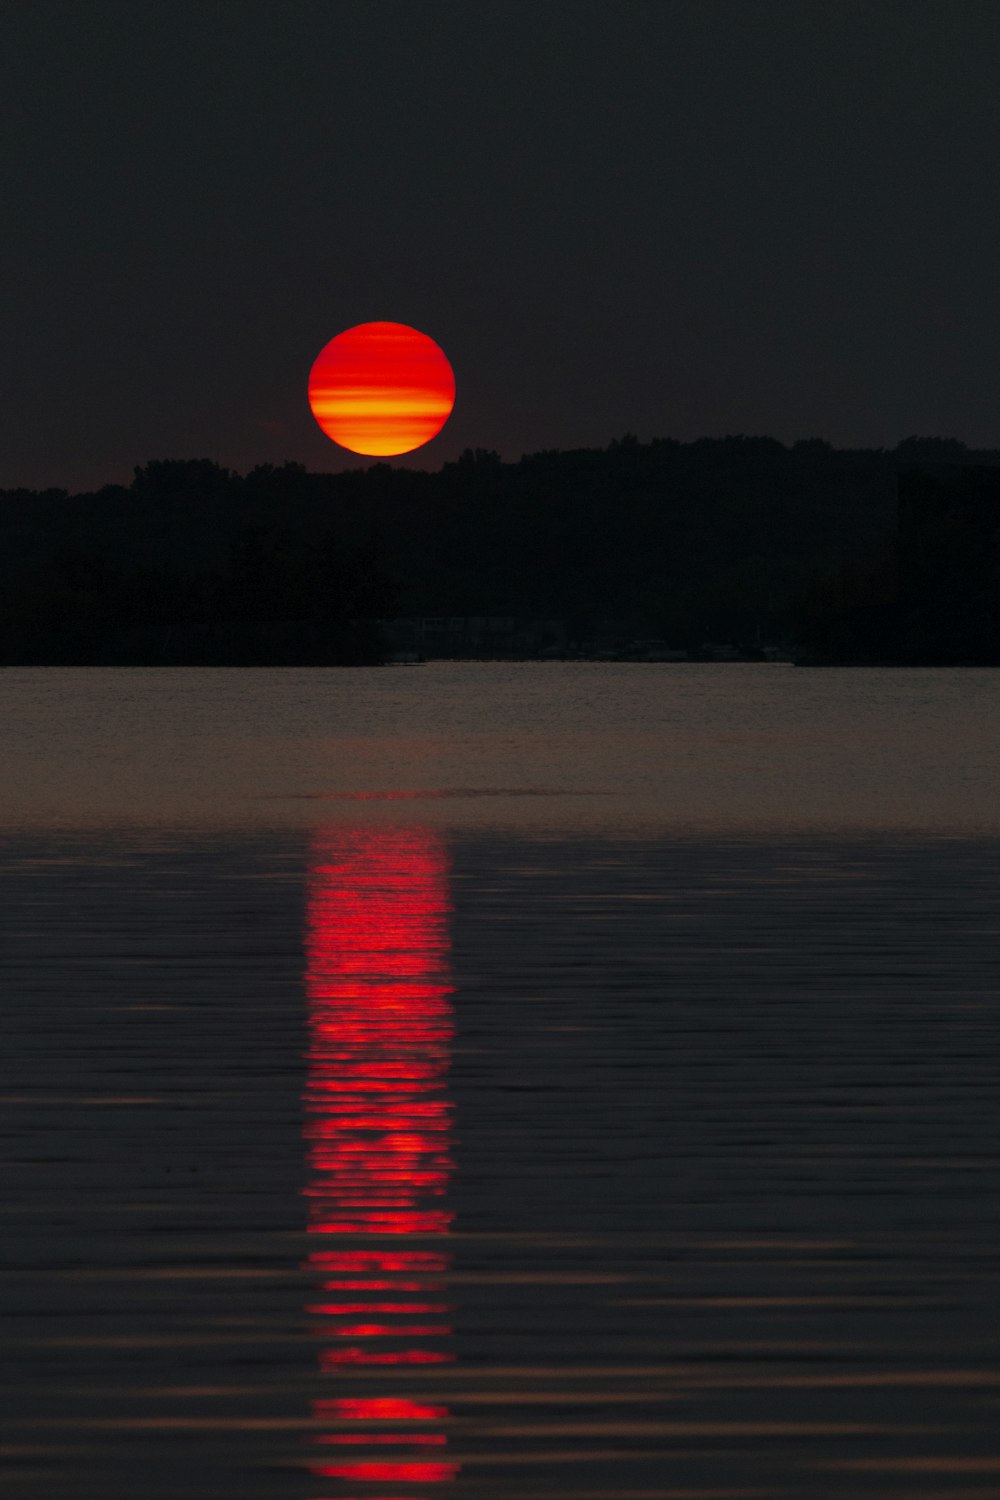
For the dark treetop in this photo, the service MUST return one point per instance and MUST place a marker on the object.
(739, 539)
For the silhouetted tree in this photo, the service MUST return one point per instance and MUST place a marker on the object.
(739, 538)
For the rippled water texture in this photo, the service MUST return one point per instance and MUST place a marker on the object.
(574, 746)
(561, 1136)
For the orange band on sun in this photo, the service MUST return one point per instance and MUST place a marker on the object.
(381, 389)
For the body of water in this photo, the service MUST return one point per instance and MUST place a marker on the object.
(471, 1081)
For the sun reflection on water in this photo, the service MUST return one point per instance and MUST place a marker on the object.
(378, 1132)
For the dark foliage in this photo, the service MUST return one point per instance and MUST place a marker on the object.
(735, 539)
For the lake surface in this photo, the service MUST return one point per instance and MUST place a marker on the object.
(471, 1081)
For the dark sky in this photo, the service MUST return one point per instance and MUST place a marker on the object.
(672, 217)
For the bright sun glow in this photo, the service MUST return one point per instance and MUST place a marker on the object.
(381, 389)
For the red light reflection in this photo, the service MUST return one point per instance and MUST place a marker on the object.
(407, 1473)
(378, 1133)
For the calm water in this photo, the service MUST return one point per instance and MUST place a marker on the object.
(465, 1082)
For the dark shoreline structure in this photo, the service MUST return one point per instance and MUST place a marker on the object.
(720, 549)
(934, 598)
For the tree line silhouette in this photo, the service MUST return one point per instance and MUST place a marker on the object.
(740, 539)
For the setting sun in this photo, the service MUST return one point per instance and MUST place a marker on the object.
(381, 389)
